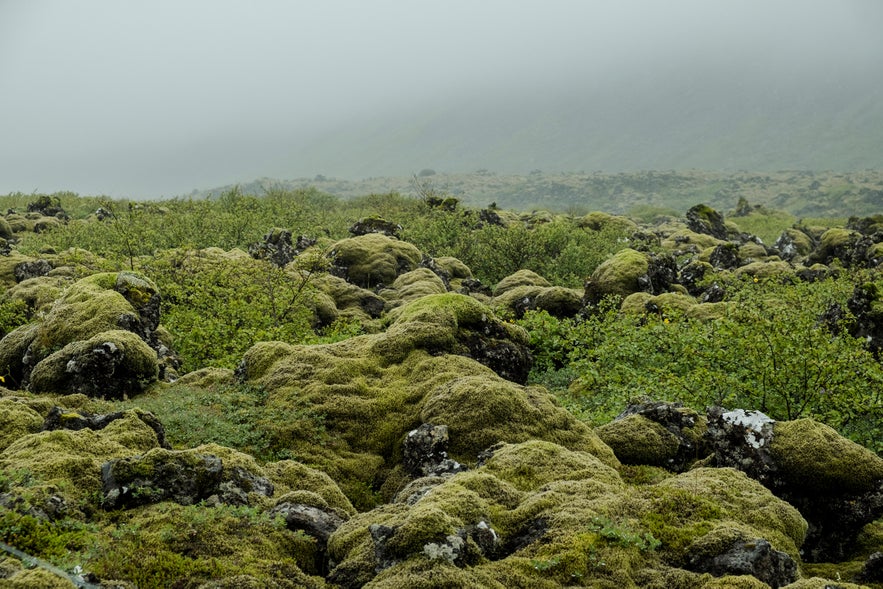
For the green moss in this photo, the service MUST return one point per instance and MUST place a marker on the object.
(802, 242)
(348, 405)
(168, 545)
(71, 460)
(815, 582)
(38, 293)
(732, 495)
(638, 440)
(18, 420)
(483, 410)
(374, 259)
(753, 251)
(351, 301)
(598, 221)
(415, 284)
(812, 455)
(136, 368)
(89, 307)
(13, 348)
(617, 275)
(298, 483)
(420, 573)
(530, 465)
(454, 267)
(32, 578)
(762, 270)
(681, 238)
(7, 267)
(206, 378)
(837, 237)
(522, 277)
(556, 300)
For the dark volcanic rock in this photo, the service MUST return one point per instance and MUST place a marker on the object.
(754, 557)
(872, 572)
(425, 452)
(27, 270)
(275, 247)
(376, 225)
(725, 257)
(742, 439)
(836, 484)
(704, 219)
(59, 418)
(185, 477)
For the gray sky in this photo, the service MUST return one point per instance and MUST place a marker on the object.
(146, 99)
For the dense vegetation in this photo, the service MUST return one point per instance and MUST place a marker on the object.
(303, 336)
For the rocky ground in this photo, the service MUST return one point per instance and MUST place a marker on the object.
(416, 454)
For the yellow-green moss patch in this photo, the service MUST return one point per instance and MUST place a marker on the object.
(812, 455)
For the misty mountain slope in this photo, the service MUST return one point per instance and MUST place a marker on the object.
(662, 119)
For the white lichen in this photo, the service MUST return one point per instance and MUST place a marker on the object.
(753, 422)
(449, 551)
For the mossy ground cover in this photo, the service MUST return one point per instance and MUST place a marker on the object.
(313, 383)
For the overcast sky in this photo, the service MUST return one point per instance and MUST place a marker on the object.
(155, 98)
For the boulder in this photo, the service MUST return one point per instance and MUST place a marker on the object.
(836, 484)
(31, 269)
(183, 476)
(275, 247)
(426, 452)
(98, 304)
(520, 278)
(793, 243)
(703, 219)
(556, 300)
(111, 364)
(754, 557)
(617, 276)
(657, 434)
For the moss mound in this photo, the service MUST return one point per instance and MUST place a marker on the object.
(373, 259)
(555, 300)
(538, 515)
(811, 454)
(617, 276)
(112, 364)
(520, 278)
(97, 304)
(69, 462)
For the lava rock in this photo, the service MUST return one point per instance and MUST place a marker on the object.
(32, 269)
(754, 557)
(425, 452)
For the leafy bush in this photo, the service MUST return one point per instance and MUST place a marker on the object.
(769, 353)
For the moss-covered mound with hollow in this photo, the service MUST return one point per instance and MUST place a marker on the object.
(350, 404)
(558, 301)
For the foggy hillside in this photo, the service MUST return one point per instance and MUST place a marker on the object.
(669, 118)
